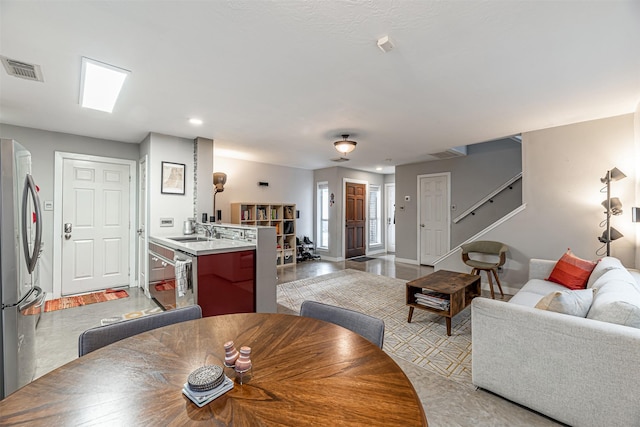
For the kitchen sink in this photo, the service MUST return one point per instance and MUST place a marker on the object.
(189, 239)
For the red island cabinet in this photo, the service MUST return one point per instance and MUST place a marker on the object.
(226, 283)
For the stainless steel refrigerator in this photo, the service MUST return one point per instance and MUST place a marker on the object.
(20, 244)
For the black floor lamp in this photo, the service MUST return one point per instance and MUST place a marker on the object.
(613, 206)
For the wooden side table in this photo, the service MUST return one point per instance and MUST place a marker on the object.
(458, 288)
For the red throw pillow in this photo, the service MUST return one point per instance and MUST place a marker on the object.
(571, 271)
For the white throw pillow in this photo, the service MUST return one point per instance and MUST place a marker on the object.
(617, 302)
(614, 275)
(605, 264)
(573, 302)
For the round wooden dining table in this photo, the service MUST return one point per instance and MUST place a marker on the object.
(305, 372)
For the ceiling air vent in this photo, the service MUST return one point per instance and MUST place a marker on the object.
(22, 70)
(450, 153)
(340, 159)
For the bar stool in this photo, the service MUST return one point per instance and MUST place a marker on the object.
(486, 247)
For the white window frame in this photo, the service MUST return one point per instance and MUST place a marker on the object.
(375, 218)
(322, 187)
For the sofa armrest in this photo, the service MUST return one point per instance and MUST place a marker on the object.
(578, 371)
(540, 268)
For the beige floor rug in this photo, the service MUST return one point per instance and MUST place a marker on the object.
(423, 342)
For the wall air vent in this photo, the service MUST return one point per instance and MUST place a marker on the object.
(450, 153)
(340, 159)
(22, 70)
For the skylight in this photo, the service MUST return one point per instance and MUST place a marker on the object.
(100, 85)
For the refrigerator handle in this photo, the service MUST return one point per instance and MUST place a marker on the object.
(31, 259)
(34, 300)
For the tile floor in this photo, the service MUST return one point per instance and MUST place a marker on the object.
(446, 402)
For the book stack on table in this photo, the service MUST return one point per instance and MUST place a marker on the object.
(432, 299)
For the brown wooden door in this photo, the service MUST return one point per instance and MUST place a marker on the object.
(355, 218)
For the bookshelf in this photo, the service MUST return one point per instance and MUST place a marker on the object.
(282, 216)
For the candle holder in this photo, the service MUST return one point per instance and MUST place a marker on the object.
(243, 364)
(230, 354)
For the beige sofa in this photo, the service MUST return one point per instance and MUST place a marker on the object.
(580, 371)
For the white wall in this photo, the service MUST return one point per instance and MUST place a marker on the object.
(636, 122)
(286, 185)
(562, 167)
(179, 207)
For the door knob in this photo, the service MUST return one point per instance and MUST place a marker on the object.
(422, 225)
(139, 231)
(67, 230)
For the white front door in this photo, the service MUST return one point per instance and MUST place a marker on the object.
(433, 217)
(142, 227)
(390, 206)
(95, 225)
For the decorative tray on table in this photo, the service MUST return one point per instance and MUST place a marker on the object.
(206, 384)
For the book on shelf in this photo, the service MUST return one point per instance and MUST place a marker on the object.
(246, 215)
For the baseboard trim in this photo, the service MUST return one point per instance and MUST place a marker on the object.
(408, 261)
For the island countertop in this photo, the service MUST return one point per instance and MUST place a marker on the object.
(205, 246)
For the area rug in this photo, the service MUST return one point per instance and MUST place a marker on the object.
(86, 299)
(131, 315)
(423, 342)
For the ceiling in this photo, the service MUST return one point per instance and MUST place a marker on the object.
(279, 81)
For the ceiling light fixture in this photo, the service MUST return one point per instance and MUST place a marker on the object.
(195, 121)
(100, 85)
(345, 146)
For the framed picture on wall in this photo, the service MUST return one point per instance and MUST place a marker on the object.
(172, 178)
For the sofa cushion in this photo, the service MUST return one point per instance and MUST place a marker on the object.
(616, 301)
(613, 275)
(605, 264)
(533, 291)
(573, 302)
(571, 271)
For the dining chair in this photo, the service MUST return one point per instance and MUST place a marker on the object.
(369, 327)
(100, 336)
(486, 247)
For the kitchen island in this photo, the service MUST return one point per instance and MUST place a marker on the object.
(233, 272)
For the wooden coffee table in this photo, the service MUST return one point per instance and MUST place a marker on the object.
(458, 288)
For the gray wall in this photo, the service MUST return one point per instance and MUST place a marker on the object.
(43, 145)
(562, 167)
(335, 177)
(486, 167)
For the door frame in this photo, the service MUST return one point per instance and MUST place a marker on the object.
(419, 210)
(344, 216)
(386, 214)
(144, 205)
(60, 156)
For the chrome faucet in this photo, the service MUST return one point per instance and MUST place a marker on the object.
(208, 229)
